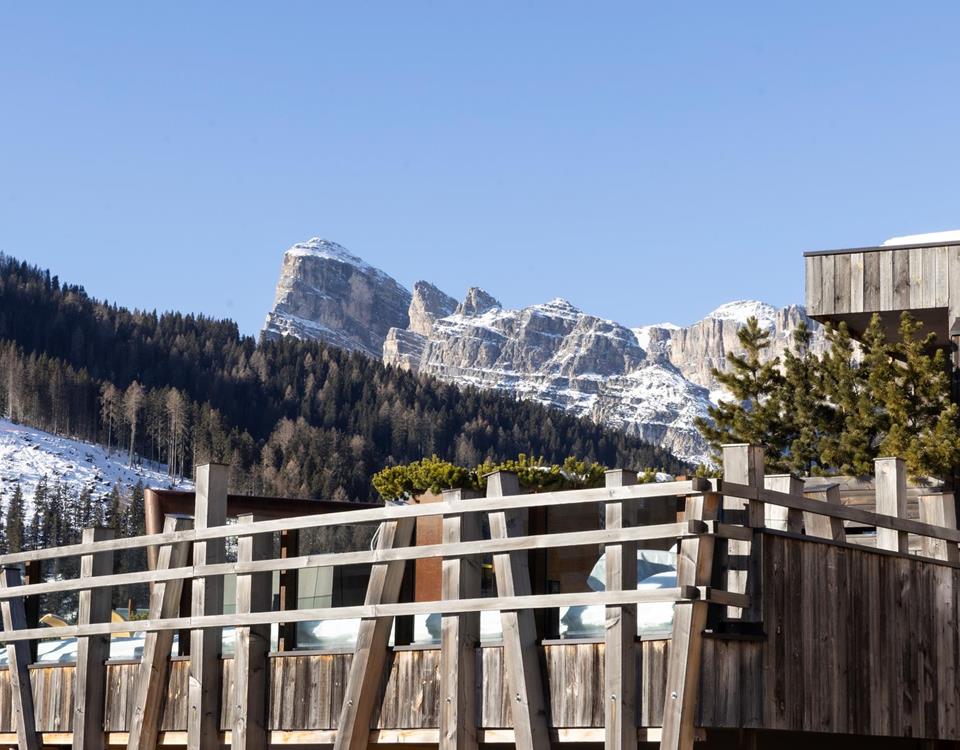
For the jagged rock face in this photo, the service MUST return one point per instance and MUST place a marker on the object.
(705, 345)
(652, 382)
(328, 294)
(428, 304)
(562, 357)
(477, 302)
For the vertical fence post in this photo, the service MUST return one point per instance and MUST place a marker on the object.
(31, 604)
(289, 589)
(620, 673)
(373, 636)
(250, 675)
(151, 685)
(891, 501)
(521, 652)
(940, 510)
(460, 633)
(743, 464)
(203, 717)
(694, 568)
(825, 527)
(18, 658)
(777, 516)
(92, 650)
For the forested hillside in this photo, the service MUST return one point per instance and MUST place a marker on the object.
(291, 417)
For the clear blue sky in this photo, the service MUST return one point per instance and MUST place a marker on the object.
(646, 161)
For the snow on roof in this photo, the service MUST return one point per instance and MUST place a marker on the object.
(949, 236)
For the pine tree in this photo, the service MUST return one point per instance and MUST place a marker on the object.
(855, 379)
(802, 406)
(753, 417)
(14, 530)
(922, 419)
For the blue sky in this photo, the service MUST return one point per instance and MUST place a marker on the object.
(646, 161)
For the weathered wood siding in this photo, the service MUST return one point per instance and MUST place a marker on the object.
(880, 280)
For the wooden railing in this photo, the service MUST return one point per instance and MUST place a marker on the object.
(730, 510)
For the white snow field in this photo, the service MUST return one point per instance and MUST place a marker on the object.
(27, 455)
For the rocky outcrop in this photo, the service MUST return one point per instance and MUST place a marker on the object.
(326, 293)
(427, 306)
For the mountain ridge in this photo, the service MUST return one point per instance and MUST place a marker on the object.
(651, 381)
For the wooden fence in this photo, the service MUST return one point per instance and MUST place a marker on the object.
(718, 567)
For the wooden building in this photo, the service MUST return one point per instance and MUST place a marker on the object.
(851, 285)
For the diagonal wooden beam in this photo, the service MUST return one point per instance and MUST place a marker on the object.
(18, 658)
(92, 651)
(373, 636)
(694, 568)
(250, 672)
(619, 653)
(460, 634)
(521, 653)
(151, 687)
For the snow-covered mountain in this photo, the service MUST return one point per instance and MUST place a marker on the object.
(652, 381)
(27, 455)
(327, 293)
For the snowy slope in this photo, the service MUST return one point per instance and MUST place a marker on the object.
(27, 455)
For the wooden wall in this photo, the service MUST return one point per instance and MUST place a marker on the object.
(857, 642)
(882, 280)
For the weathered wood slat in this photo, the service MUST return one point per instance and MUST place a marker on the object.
(520, 655)
(151, 683)
(460, 634)
(370, 653)
(856, 282)
(891, 501)
(620, 676)
(871, 282)
(466, 549)
(250, 674)
(777, 516)
(18, 656)
(825, 527)
(92, 651)
(207, 599)
(940, 510)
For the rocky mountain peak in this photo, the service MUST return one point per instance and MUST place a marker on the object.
(476, 303)
(427, 305)
(327, 293)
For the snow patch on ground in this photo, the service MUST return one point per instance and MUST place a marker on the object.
(27, 455)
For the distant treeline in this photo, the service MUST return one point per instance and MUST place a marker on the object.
(291, 417)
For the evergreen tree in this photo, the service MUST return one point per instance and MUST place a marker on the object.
(753, 416)
(801, 405)
(922, 420)
(14, 531)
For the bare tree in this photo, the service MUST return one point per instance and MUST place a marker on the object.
(109, 408)
(132, 403)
